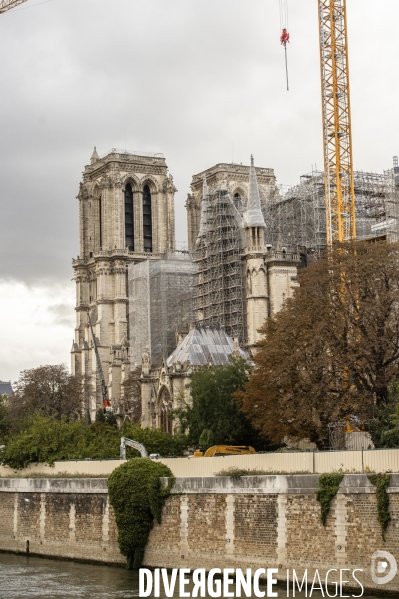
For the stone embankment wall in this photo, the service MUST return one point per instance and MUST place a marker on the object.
(252, 522)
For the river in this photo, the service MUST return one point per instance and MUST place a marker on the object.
(32, 578)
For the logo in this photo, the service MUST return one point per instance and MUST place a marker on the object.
(383, 562)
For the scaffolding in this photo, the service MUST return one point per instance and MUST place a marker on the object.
(298, 221)
(218, 280)
(160, 305)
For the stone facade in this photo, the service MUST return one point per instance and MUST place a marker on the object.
(216, 522)
(236, 179)
(241, 279)
(162, 389)
(126, 214)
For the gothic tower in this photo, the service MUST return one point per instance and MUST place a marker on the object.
(236, 178)
(241, 280)
(126, 215)
(254, 260)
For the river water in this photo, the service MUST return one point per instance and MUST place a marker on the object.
(33, 578)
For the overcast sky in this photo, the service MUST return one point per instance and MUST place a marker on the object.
(202, 81)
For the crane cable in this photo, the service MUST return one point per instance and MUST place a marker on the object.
(285, 36)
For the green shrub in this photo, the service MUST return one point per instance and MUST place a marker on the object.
(47, 439)
(44, 439)
(102, 441)
(155, 440)
(137, 497)
(328, 488)
(235, 472)
(381, 482)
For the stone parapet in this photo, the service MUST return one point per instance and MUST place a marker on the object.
(210, 522)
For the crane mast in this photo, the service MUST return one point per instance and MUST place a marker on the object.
(337, 129)
(9, 4)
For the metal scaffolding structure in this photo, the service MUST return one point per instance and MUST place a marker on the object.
(160, 305)
(298, 220)
(218, 280)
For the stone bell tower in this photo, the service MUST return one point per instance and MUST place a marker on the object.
(126, 215)
(255, 270)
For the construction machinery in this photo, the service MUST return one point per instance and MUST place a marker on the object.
(9, 4)
(337, 126)
(219, 450)
(106, 402)
(125, 442)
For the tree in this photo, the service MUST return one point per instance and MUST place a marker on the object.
(333, 351)
(383, 424)
(47, 439)
(4, 417)
(155, 440)
(50, 390)
(214, 415)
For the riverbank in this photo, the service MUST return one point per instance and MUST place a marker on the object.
(41, 578)
(249, 522)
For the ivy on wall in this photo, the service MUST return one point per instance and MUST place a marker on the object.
(328, 488)
(137, 497)
(381, 482)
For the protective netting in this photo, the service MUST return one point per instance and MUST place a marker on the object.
(160, 305)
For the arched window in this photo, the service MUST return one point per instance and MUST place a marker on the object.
(237, 201)
(165, 408)
(147, 221)
(129, 218)
(249, 283)
(100, 225)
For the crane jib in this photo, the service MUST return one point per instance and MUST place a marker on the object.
(9, 4)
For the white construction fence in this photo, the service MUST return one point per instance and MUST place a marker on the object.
(317, 462)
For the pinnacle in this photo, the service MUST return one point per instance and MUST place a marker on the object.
(253, 215)
(94, 156)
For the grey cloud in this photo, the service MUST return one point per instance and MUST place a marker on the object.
(63, 314)
(185, 77)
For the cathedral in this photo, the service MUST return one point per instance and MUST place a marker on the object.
(126, 211)
(239, 281)
(126, 215)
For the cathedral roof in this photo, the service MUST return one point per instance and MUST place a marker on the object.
(253, 216)
(205, 345)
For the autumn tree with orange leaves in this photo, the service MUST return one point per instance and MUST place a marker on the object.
(332, 353)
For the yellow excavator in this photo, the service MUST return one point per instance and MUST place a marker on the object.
(219, 450)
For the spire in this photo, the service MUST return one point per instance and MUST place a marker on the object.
(94, 156)
(253, 216)
(204, 210)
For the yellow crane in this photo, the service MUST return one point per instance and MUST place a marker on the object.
(337, 126)
(9, 4)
